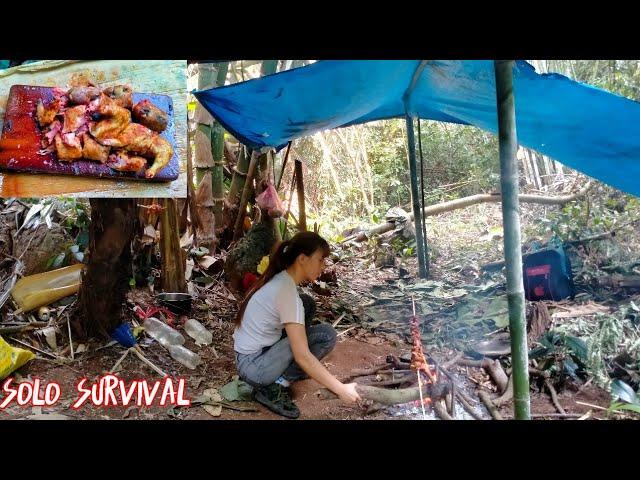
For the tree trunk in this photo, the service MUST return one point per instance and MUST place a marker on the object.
(173, 258)
(106, 279)
(235, 191)
(204, 203)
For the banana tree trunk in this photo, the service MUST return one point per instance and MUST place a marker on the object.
(173, 259)
(106, 278)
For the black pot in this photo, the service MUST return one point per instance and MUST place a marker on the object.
(179, 303)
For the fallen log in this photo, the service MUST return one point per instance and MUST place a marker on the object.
(493, 369)
(441, 411)
(507, 396)
(379, 395)
(473, 200)
(493, 411)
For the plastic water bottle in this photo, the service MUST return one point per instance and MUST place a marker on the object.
(196, 330)
(162, 332)
(185, 356)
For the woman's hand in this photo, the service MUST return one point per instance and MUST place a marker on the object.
(348, 393)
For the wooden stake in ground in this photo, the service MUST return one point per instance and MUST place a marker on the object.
(173, 258)
(302, 217)
(246, 192)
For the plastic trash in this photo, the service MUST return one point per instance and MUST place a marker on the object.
(196, 330)
(124, 336)
(12, 358)
(162, 332)
(41, 289)
(185, 356)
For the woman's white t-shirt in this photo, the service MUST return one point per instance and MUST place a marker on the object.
(274, 304)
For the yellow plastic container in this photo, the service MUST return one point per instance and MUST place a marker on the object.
(44, 288)
(12, 358)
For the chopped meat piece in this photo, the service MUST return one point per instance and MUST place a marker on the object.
(92, 150)
(46, 115)
(124, 162)
(121, 94)
(67, 152)
(114, 120)
(74, 118)
(83, 95)
(71, 139)
(150, 116)
(139, 139)
(54, 129)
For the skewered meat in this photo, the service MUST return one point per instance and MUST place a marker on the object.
(139, 139)
(124, 162)
(74, 118)
(150, 116)
(92, 150)
(83, 95)
(66, 151)
(121, 94)
(46, 115)
(115, 119)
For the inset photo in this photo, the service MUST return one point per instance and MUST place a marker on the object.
(98, 128)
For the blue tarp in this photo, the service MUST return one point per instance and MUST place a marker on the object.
(586, 128)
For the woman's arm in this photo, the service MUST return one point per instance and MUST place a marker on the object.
(312, 366)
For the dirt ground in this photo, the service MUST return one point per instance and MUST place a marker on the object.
(213, 372)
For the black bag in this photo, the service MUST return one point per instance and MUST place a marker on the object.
(547, 275)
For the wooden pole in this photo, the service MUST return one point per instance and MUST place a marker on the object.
(302, 217)
(248, 186)
(508, 145)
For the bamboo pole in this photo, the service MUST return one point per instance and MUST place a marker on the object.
(217, 151)
(413, 171)
(508, 145)
(415, 198)
(203, 160)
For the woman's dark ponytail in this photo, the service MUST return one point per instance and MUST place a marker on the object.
(283, 256)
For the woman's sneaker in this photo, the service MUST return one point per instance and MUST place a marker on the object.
(277, 399)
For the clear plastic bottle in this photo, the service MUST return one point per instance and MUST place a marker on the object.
(162, 332)
(196, 330)
(184, 356)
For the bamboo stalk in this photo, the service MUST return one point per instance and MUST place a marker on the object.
(217, 151)
(508, 144)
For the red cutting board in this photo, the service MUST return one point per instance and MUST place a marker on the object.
(20, 129)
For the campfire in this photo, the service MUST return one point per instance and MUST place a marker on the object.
(421, 380)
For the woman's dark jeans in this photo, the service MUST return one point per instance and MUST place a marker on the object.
(265, 367)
